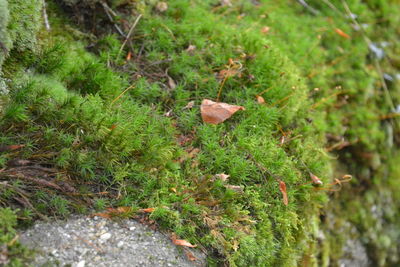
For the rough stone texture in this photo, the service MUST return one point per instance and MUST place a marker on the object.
(4, 38)
(84, 241)
(354, 255)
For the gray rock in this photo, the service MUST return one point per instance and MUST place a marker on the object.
(83, 241)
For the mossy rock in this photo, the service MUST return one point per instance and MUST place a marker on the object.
(116, 121)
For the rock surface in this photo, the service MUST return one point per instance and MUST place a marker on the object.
(84, 241)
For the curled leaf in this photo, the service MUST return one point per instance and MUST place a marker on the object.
(315, 179)
(282, 188)
(184, 243)
(217, 112)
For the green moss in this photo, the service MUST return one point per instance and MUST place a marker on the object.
(13, 254)
(4, 37)
(25, 22)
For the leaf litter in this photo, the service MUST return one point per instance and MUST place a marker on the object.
(217, 112)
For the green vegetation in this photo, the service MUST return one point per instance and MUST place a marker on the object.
(108, 129)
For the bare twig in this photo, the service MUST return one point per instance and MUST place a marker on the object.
(308, 7)
(109, 13)
(129, 34)
(120, 95)
(333, 7)
(38, 181)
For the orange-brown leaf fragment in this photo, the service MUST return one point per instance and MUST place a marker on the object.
(111, 212)
(265, 29)
(129, 56)
(106, 215)
(148, 210)
(217, 112)
(342, 33)
(260, 99)
(190, 256)
(315, 179)
(184, 243)
(282, 188)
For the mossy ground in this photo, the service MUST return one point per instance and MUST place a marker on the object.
(68, 106)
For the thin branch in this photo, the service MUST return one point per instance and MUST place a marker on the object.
(129, 34)
(308, 7)
(109, 11)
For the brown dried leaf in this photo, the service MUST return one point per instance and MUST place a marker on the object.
(171, 83)
(215, 113)
(103, 215)
(227, 73)
(282, 188)
(111, 212)
(184, 243)
(190, 256)
(260, 99)
(148, 210)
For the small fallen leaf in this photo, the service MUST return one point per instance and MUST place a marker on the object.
(129, 56)
(260, 99)
(190, 256)
(282, 188)
(111, 212)
(120, 209)
(103, 215)
(226, 73)
(265, 29)
(342, 33)
(217, 112)
(171, 83)
(189, 105)
(222, 176)
(315, 179)
(191, 48)
(162, 6)
(184, 243)
(235, 245)
(148, 210)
